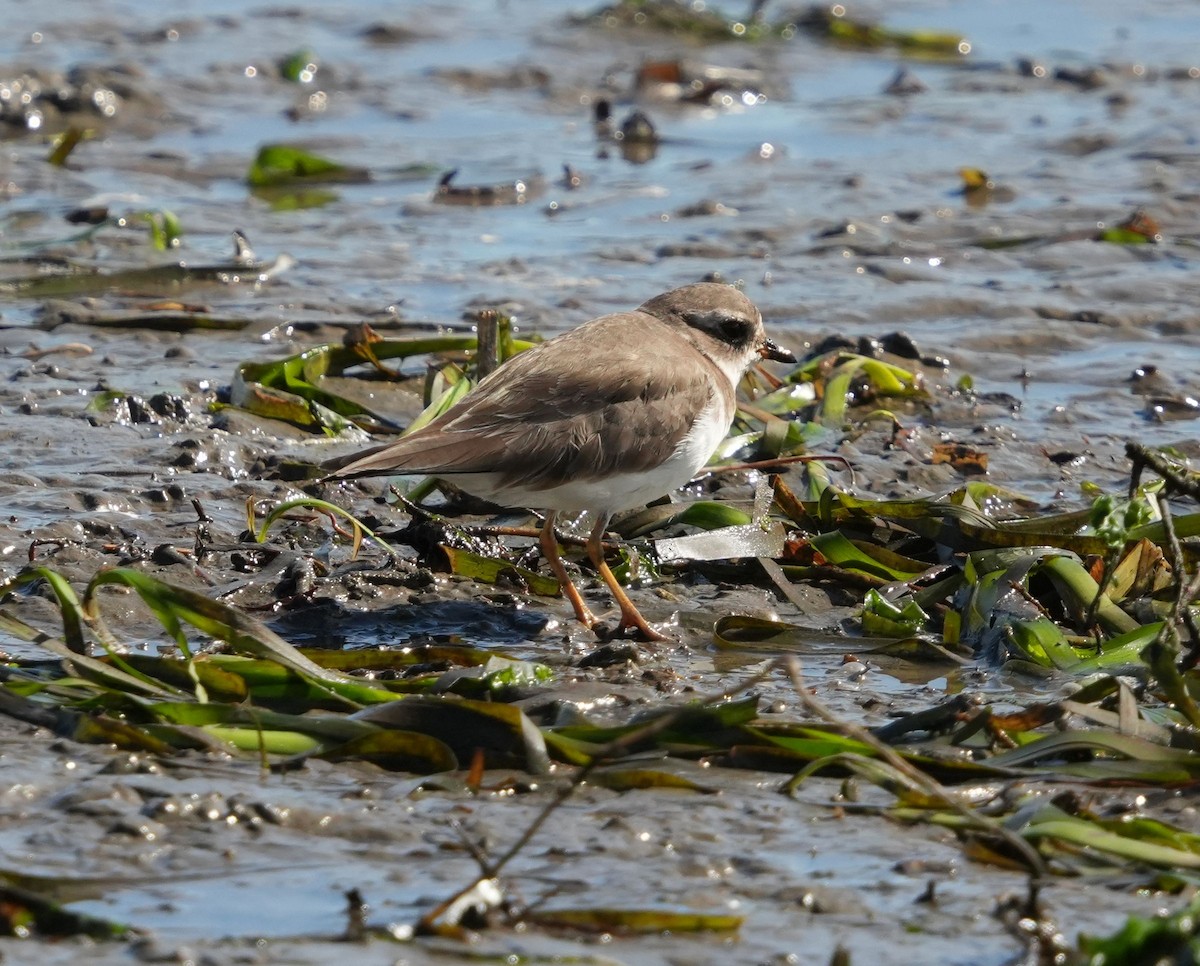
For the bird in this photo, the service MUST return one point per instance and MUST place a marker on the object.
(607, 417)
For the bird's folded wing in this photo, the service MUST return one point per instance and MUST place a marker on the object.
(540, 421)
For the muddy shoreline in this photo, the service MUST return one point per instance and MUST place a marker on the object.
(839, 209)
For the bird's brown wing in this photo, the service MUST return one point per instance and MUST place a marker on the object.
(573, 408)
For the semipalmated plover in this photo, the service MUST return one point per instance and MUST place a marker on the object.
(620, 411)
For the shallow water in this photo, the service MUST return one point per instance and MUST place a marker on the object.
(844, 215)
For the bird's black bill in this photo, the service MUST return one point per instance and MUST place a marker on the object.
(769, 350)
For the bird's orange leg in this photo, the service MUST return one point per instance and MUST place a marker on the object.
(630, 617)
(549, 544)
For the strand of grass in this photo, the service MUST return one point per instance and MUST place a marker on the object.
(600, 755)
(360, 528)
(264, 762)
(264, 742)
(1089, 618)
(90, 610)
(68, 602)
(172, 605)
(75, 614)
(55, 719)
(96, 672)
(165, 614)
(119, 662)
(928, 785)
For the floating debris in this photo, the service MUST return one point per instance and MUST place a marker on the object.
(505, 193)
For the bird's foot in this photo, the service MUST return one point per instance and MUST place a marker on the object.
(606, 632)
(640, 629)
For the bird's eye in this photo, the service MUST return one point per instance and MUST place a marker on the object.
(734, 329)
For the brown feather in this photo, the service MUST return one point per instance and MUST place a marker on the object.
(581, 406)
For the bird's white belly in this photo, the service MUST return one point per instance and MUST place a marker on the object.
(615, 493)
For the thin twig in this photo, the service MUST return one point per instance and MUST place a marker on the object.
(1177, 562)
(1177, 479)
(491, 530)
(1185, 591)
(606, 752)
(614, 748)
(1189, 660)
(494, 530)
(775, 463)
(487, 332)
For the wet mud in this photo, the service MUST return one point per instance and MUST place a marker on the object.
(807, 172)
